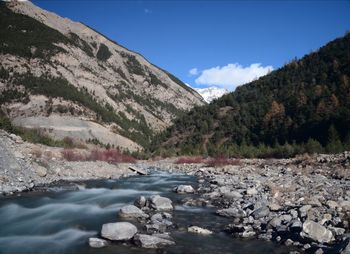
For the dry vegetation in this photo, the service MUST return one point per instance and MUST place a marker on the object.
(111, 156)
(209, 162)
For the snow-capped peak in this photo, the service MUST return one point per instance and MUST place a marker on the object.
(211, 93)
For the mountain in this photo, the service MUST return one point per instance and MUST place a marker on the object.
(306, 102)
(67, 79)
(211, 93)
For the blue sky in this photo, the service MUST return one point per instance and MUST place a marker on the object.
(223, 43)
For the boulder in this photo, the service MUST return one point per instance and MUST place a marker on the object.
(261, 212)
(140, 202)
(97, 242)
(303, 210)
(252, 191)
(316, 232)
(331, 204)
(296, 226)
(160, 203)
(184, 189)
(345, 206)
(151, 241)
(41, 171)
(232, 212)
(199, 230)
(119, 231)
(131, 211)
(275, 207)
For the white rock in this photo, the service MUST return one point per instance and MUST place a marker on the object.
(118, 231)
(97, 242)
(131, 211)
(183, 189)
(151, 242)
(199, 230)
(160, 203)
(316, 232)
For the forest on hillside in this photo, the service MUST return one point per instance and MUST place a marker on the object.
(302, 107)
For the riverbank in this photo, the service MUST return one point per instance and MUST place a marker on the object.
(302, 202)
(25, 166)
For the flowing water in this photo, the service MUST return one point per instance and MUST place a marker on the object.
(62, 221)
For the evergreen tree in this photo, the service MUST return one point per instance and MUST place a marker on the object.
(334, 144)
(313, 146)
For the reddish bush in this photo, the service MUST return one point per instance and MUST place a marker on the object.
(71, 155)
(222, 161)
(190, 160)
(112, 155)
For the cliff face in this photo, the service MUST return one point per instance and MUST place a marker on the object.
(69, 80)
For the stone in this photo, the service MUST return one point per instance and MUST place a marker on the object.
(97, 242)
(184, 189)
(316, 232)
(288, 242)
(296, 226)
(232, 212)
(160, 203)
(118, 231)
(337, 231)
(247, 234)
(151, 241)
(140, 202)
(303, 210)
(131, 211)
(345, 206)
(319, 251)
(199, 230)
(331, 204)
(261, 212)
(232, 195)
(275, 222)
(275, 207)
(41, 171)
(252, 191)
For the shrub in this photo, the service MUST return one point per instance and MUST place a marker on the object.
(111, 156)
(190, 160)
(71, 155)
(103, 53)
(222, 161)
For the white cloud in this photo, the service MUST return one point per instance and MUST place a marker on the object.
(232, 75)
(193, 72)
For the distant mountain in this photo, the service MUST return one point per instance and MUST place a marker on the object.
(307, 101)
(66, 79)
(211, 93)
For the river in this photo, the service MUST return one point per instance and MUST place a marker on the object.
(60, 221)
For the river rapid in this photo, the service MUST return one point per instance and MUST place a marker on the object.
(61, 221)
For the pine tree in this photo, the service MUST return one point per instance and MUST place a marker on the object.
(334, 144)
(347, 142)
(313, 146)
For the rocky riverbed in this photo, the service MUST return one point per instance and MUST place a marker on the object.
(25, 166)
(302, 202)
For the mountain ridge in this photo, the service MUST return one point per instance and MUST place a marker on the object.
(306, 103)
(129, 97)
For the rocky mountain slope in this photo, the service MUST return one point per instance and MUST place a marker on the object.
(305, 101)
(211, 93)
(69, 80)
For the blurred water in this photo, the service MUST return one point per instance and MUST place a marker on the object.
(61, 222)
